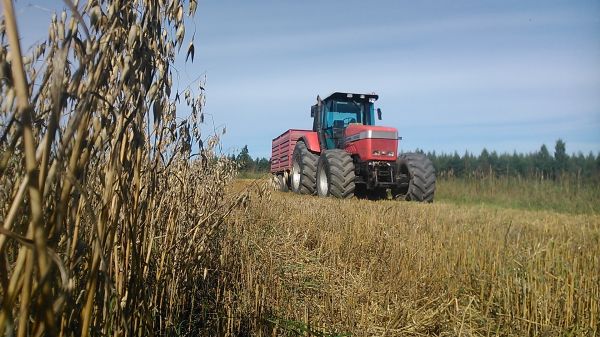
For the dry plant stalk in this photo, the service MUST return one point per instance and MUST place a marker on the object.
(108, 225)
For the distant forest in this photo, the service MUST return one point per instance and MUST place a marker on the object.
(247, 164)
(541, 164)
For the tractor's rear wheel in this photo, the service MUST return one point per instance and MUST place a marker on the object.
(335, 174)
(421, 173)
(304, 169)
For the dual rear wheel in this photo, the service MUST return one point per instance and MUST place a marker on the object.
(330, 174)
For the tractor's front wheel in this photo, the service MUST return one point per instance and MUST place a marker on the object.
(421, 178)
(335, 174)
(304, 169)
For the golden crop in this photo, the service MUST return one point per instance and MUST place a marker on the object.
(326, 267)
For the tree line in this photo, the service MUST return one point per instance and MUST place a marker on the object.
(246, 163)
(541, 164)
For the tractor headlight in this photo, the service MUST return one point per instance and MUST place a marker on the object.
(383, 153)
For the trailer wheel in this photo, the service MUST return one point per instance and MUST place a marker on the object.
(335, 174)
(280, 183)
(421, 178)
(275, 182)
(304, 169)
(285, 182)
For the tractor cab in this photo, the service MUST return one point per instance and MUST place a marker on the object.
(338, 111)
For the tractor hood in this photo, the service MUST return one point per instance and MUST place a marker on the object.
(358, 131)
(372, 142)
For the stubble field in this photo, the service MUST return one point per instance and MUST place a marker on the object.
(327, 267)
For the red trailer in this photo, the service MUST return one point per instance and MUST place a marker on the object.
(282, 150)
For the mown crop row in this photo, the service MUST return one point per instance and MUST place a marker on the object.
(329, 267)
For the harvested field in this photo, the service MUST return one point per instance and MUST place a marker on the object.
(325, 266)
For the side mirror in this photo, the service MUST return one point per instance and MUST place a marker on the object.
(378, 113)
(313, 109)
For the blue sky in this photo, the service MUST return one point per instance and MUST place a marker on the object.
(451, 75)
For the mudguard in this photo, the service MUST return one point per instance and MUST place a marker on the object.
(311, 139)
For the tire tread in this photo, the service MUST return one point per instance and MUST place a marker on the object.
(341, 173)
(308, 168)
(422, 177)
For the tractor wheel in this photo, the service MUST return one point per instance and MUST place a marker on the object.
(304, 169)
(421, 173)
(335, 174)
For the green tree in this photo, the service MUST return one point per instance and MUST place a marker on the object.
(456, 165)
(561, 159)
(262, 164)
(468, 164)
(244, 160)
(484, 162)
(543, 161)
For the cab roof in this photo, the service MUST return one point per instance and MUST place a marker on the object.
(346, 95)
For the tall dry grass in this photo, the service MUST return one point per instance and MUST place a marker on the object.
(110, 224)
(326, 267)
(569, 194)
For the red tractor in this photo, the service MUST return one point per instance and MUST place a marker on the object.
(346, 154)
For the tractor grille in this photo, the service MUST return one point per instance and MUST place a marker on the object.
(382, 173)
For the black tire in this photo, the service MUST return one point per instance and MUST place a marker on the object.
(304, 170)
(421, 174)
(281, 184)
(335, 174)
